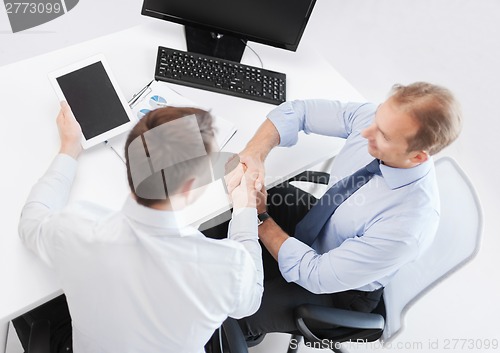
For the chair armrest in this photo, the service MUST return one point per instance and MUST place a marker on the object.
(364, 324)
(234, 336)
(312, 176)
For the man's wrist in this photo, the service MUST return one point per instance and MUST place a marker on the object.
(262, 217)
(72, 151)
(272, 236)
(254, 152)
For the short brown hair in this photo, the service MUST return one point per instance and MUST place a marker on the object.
(172, 144)
(436, 111)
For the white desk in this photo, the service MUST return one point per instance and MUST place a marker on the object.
(30, 139)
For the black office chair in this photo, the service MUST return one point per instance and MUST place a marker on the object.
(326, 327)
(343, 326)
(228, 339)
(456, 243)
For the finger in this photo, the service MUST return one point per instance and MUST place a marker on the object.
(258, 184)
(251, 174)
(258, 178)
(257, 166)
(60, 116)
(66, 110)
(65, 106)
(244, 180)
(233, 179)
(240, 188)
(253, 180)
(60, 120)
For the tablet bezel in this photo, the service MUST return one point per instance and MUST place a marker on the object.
(87, 143)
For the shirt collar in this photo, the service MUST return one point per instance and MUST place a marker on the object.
(150, 216)
(399, 177)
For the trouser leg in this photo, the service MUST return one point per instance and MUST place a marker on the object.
(280, 298)
(276, 310)
(288, 205)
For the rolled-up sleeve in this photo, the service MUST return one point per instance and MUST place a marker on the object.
(355, 263)
(318, 116)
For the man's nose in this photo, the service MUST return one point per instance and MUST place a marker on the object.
(366, 132)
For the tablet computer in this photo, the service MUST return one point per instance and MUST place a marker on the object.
(95, 99)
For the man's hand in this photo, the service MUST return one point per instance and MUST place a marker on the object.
(256, 167)
(70, 132)
(254, 154)
(245, 194)
(247, 164)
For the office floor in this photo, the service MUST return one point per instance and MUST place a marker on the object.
(374, 44)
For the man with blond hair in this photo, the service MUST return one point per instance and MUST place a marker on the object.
(381, 211)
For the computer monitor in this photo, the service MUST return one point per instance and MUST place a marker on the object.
(221, 28)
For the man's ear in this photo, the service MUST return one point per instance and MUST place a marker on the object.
(419, 157)
(187, 186)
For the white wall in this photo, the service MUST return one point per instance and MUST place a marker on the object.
(375, 44)
(88, 19)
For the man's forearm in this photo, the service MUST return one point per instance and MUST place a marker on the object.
(272, 236)
(264, 140)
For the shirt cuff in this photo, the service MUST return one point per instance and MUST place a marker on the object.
(244, 222)
(290, 255)
(65, 165)
(287, 122)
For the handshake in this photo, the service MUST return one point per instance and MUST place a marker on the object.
(245, 184)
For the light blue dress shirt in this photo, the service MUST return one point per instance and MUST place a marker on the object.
(387, 223)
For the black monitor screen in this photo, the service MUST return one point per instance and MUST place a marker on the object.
(278, 23)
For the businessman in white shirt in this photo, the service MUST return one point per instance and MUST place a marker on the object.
(136, 280)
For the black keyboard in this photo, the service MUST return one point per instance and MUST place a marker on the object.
(219, 75)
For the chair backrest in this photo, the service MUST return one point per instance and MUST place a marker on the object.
(456, 242)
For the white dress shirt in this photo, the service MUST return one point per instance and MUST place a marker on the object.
(387, 223)
(134, 281)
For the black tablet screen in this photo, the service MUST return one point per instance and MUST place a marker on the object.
(93, 100)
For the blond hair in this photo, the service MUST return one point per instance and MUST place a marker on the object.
(436, 111)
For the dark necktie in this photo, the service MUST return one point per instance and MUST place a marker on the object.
(308, 229)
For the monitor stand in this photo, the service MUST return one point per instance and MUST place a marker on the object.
(214, 44)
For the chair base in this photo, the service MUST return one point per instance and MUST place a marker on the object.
(255, 340)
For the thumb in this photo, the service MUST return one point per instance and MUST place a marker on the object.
(66, 110)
